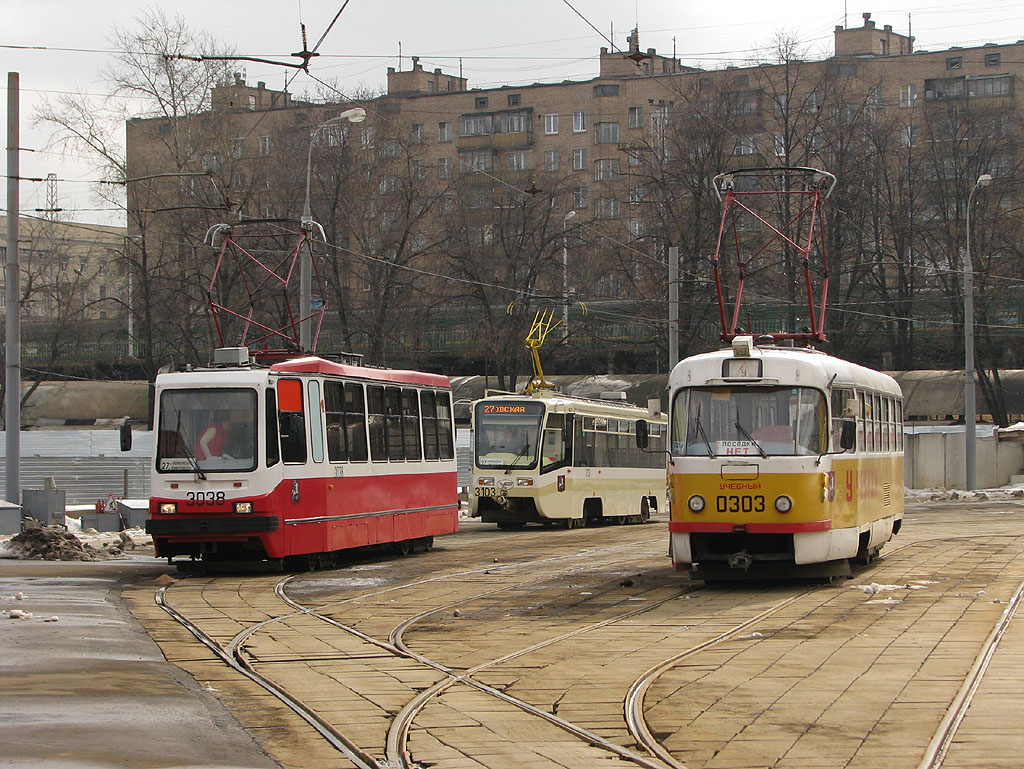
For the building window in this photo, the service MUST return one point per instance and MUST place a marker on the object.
(606, 90)
(780, 146)
(266, 146)
(579, 197)
(636, 117)
(606, 133)
(367, 137)
(417, 133)
(475, 125)
(516, 122)
(389, 184)
(636, 229)
(993, 59)
(444, 132)
(954, 62)
(480, 102)
(515, 99)
(636, 195)
(579, 121)
(211, 161)
(990, 86)
(908, 135)
(745, 145)
(633, 156)
(908, 95)
(743, 102)
(238, 147)
(431, 86)
(608, 208)
(945, 88)
(419, 168)
(519, 161)
(444, 168)
(551, 123)
(579, 159)
(482, 160)
(550, 160)
(606, 169)
(391, 148)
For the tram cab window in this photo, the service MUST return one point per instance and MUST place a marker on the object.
(291, 421)
(553, 449)
(207, 430)
(743, 421)
(844, 409)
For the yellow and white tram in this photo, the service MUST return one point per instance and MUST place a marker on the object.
(782, 454)
(544, 457)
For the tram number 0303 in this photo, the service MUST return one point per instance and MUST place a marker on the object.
(206, 497)
(735, 503)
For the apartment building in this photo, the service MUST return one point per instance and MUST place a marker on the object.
(596, 179)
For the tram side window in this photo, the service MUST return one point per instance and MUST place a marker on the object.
(375, 417)
(316, 428)
(428, 410)
(291, 421)
(899, 425)
(411, 424)
(355, 422)
(273, 449)
(393, 418)
(346, 422)
(445, 436)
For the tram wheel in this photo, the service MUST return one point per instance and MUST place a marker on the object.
(645, 511)
(574, 523)
(428, 543)
(403, 547)
(510, 525)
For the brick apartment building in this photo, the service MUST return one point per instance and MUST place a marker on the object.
(453, 213)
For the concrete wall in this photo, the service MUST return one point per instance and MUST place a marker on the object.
(936, 459)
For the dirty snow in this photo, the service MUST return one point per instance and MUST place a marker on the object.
(54, 543)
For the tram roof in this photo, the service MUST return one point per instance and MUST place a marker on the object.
(316, 365)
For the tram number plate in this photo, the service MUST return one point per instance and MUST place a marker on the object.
(739, 503)
(487, 491)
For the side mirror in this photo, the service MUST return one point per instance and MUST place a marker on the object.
(848, 435)
(641, 434)
(126, 435)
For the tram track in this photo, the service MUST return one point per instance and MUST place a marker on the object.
(652, 754)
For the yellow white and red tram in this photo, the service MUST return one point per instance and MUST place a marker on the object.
(300, 459)
(784, 455)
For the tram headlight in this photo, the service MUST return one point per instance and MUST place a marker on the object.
(243, 507)
(485, 481)
(168, 508)
(695, 503)
(783, 504)
(524, 481)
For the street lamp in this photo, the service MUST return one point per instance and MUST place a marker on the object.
(354, 115)
(565, 277)
(969, 408)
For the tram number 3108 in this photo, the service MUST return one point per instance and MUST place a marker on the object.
(734, 503)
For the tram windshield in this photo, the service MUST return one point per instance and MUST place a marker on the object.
(745, 421)
(507, 434)
(205, 430)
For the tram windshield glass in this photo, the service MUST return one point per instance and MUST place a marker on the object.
(745, 421)
(507, 434)
(207, 430)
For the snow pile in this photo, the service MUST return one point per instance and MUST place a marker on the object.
(952, 495)
(52, 543)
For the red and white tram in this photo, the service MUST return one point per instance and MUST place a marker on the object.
(300, 460)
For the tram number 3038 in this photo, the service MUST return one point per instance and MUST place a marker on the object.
(735, 503)
(206, 497)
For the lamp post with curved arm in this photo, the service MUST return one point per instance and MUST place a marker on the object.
(970, 416)
(565, 278)
(354, 115)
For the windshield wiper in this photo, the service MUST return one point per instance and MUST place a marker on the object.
(749, 437)
(703, 435)
(188, 452)
(517, 457)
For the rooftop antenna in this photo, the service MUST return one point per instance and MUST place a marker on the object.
(399, 55)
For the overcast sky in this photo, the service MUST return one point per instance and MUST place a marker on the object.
(60, 45)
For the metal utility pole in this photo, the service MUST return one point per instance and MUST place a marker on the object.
(565, 279)
(12, 313)
(970, 415)
(673, 307)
